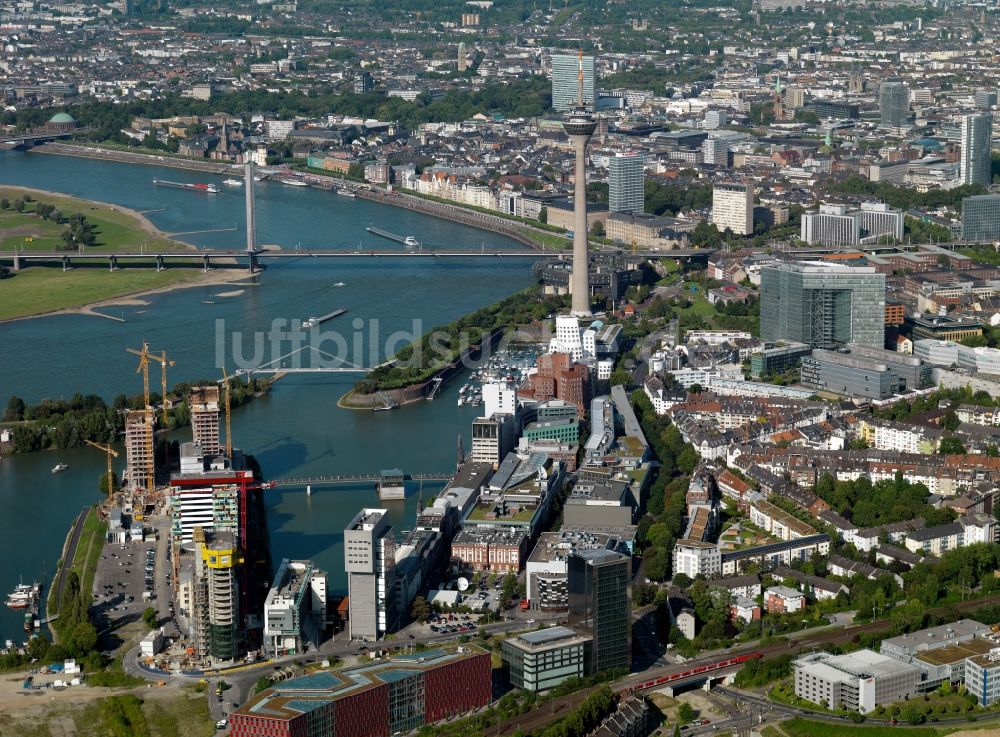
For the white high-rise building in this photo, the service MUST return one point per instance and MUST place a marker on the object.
(732, 207)
(977, 145)
(499, 397)
(568, 337)
(833, 225)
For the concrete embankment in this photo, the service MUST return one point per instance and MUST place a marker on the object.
(130, 157)
(451, 212)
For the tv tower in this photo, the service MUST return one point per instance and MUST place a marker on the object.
(579, 126)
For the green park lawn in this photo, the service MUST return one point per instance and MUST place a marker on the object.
(38, 290)
(115, 229)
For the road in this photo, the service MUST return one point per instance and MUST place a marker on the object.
(67, 558)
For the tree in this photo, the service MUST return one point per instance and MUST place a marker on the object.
(19, 205)
(15, 410)
(950, 421)
(4, 204)
(420, 610)
(102, 487)
(543, 215)
(685, 713)
(597, 229)
(951, 446)
(150, 617)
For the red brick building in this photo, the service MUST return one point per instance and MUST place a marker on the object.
(559, 377)
(423, 687)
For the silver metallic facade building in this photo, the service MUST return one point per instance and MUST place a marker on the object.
(565, 68)
(626, 179)
(894, 103)
(822, 305)
(370, 559)
(977, 143)
(981, 218)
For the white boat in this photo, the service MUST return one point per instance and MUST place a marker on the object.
(233, 182)
(59, 468)
(340, 284)
(411, 242)
(346, 193)
(294, 182)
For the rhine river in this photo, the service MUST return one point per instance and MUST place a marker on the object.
(298, 430)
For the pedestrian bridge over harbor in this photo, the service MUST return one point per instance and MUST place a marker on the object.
(353, 479)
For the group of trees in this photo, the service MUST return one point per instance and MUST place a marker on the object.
(418, 361)
(59, 423)
(585, 718)
(528, 97)
(669, 199)
(79, 232)
(906, 197)
(869, 504)
(666, 504)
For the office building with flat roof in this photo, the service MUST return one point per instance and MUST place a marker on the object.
(831, 225)
(894, 103)
(859, 680)
(732, 207)
(777, 359)
(539, 661)
(295, 608)
(599, 606)
(369, 559)
(981, 217)
(848, 375)
(626, 180)
(389, 697)
(565, 71)
(977, 149)
(822, 305)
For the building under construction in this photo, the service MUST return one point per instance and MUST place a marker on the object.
(203, 402)
(214, 596)
(139, 461)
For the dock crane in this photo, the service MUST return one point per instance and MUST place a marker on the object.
(229, 423)
(164, 362)
(110, 453)
(144, 368)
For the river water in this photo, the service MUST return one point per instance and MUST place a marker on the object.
(298, 430)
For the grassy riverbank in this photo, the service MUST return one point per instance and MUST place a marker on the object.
(41, 290)
(415, 363)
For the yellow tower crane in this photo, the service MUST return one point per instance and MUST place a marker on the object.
(144, 368)
(110, 453)
(164, 362)
(229, 422)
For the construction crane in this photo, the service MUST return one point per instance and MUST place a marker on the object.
(164, 362)
(144, 368)
(229, 423)
(110, 453)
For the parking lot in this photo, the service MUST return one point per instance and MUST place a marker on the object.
(124, 572)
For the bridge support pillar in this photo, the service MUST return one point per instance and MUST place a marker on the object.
(112, 264)
(208, 265)
(159, 263)
(17, 262)
(65, 263)
(252, 266)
